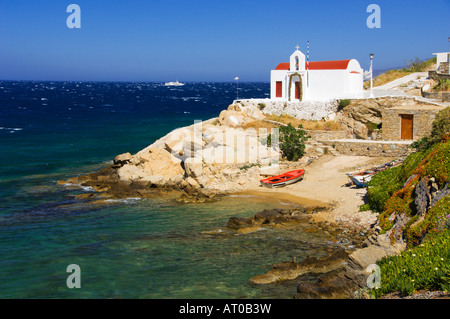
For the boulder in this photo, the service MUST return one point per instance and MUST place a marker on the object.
(193, 167)
(129, 173)
(191, 144)
(233, 118)
(122, 159)
(175, 146)
(253, 112)
(192, 186)
(364, 111)
(155, 166)
(155, 180)
(240, 222)
(219, 155)
(360, 259)
(326, 287)
(234, 107)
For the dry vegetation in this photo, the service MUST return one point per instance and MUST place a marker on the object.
(391, 75)
(307, 125)
(286, 119)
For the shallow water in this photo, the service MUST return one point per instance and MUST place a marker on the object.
(135, 248)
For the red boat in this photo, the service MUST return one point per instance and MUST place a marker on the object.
(283, 179)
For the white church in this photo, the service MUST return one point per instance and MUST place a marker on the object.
(301, 80)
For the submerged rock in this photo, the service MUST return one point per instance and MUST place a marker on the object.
(289, 270)
(267, 217)
(326, 287)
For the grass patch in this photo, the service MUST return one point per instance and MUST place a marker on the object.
(246, 167)
(307, 125)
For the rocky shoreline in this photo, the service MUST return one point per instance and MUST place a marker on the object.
(168, 168)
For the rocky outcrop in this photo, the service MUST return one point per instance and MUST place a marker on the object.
(209, 157)
(355, 117)
(392, 242)
(427, 194)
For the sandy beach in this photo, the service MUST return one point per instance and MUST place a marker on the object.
(326, 184)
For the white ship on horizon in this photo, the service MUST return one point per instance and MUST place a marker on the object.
(176, 83)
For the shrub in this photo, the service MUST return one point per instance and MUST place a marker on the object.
(292, 142)
(442, 85)
(261, 106)
(418, 65)
(440, 127)
(343, 103)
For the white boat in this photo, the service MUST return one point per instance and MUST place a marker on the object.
(361, 178)
(176, 83)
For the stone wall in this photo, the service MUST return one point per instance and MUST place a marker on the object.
(308, 110)
(441, 96)
(319, 135)
(371, 148)
(423, 117)
(435, 76)
(443, 68)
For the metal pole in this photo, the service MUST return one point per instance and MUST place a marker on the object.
(371, 76)
(448, 57)
(237, 88)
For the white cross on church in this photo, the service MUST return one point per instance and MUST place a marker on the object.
(297, 47)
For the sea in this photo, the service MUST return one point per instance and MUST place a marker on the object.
(132, 248)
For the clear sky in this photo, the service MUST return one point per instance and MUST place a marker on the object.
(208, 40)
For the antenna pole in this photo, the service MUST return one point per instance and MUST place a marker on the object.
(237, 88)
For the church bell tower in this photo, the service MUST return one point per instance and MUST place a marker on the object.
(297, 61)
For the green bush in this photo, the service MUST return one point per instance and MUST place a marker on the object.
(440, 127)
(442, 85)
(426, 266)
(343, 103)
(292, 141)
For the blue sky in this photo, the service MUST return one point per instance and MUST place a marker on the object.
(208, 40)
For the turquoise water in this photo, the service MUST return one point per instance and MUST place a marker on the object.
(135, 248)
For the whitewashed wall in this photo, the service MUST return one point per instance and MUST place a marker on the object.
(308, 110)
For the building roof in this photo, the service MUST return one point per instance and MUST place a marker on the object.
(319, 65)
(283, 66)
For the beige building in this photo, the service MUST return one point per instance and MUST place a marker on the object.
(408, 122)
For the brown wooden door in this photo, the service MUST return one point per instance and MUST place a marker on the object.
(407, 126)
(297, 90)
(279, 89)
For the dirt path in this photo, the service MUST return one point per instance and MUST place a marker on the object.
(326, 183)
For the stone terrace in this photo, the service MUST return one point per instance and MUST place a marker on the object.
(370, 147)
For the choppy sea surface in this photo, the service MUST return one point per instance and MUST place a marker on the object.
(133, 248)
